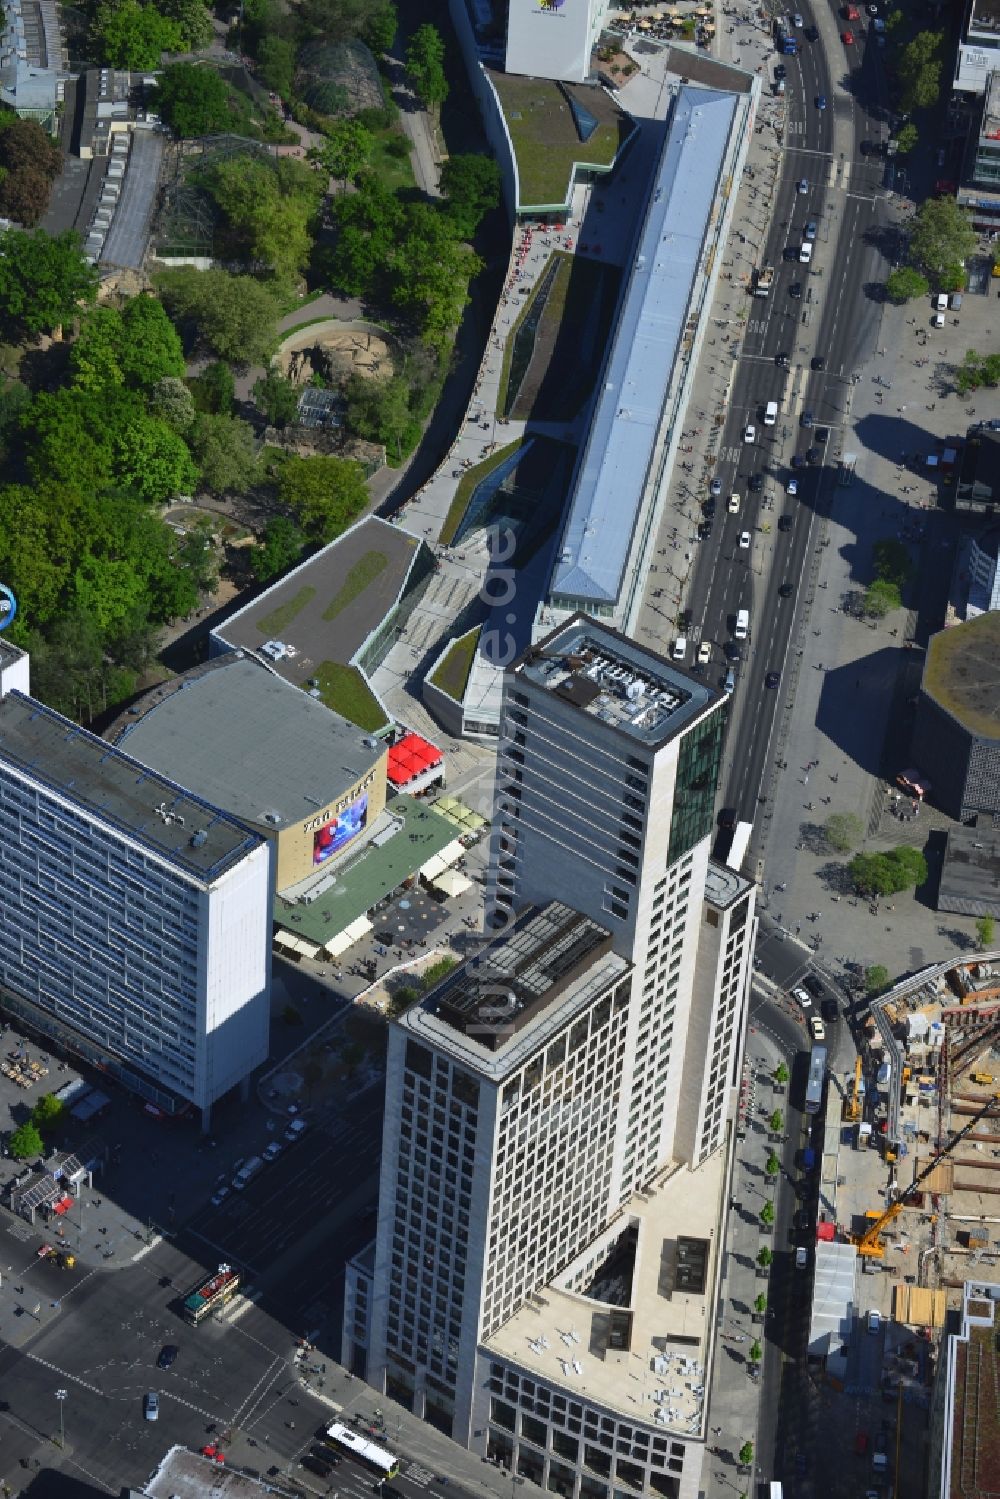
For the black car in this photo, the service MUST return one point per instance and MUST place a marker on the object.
(819, 363)
(732, 651)
(772, 679)
(704, 530)
(801, 1221)
(728, 818)
(780, 71)
(813, 986)
(806, 419)
(823, 435)
(797, 460)
(781, 360)
(812, 34)
(830, 1010)
(326, 1454)
(786, 590)
(795, 290)
(321, 1466)
(166, 1357)
(813, 455)
(756, 483)
(785, 523)
(708, 509)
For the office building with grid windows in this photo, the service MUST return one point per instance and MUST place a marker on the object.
(135, 927)
(553, 1180)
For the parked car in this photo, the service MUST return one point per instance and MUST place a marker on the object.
(785, 522)
(792, 487)
(219, 1197)
(704, 652)
(817, 1027)
(296, 1130)
(773, 679)
(819, 363)
(744, 540)
(151, 1406)
(802, 186)
(750, 433)
(168, 1353)
(801, 1258)
(272, 1151)
(802, 999)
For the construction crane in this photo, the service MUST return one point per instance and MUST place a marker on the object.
(852, 1105)
(870, 1241)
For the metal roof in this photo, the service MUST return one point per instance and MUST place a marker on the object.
(245, 739)
(612, 476)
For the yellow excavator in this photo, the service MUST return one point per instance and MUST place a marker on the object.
(869, 1242)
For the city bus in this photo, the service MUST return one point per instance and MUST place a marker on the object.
(364, 1451)
(211, 1294)
(817, 1077)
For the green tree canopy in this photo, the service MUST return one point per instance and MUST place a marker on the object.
(171, 400)
(756, 1352)
(214, 389)
(767, 1214)
(48, 1111)
(772, 1165)
(193, 20)
(425, 66)
(224, 449)
(904, 284)
(746, 1454)
(347, 149)
(780, 1073)
(280, 546)
(44, 280)
(379, 411)
(844, 831)
(25, 1142)
(891, 561)
(233, 316)
(978, 370)
(907, 138)
(886, 873)
(134, 36)
(276, 398)
(323, 494)
(471, 185)
(374, 21)
(194, 100)
(30, 161)
(918, 71)
(986, 932)
(276, 64)
(876, 978)
(135, 347)
(429, 273)
(881, 598)
(764, 1257)
(760, 1303)
(776, 1123)
(269, 207)
(942, 235)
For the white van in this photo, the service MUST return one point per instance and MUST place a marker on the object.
(805, 252)
(742, 624)
(770, 413)
(679, 648)
(247, 1173)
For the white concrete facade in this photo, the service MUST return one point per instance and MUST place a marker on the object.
(553, 38)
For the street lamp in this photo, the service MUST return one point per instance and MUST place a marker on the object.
(61, 1396)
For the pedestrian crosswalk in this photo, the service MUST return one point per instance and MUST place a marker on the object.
(415, 1474)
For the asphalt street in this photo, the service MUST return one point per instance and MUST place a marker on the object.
(821, 311)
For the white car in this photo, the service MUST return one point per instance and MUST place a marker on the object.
(802, 186)
(296, 1130)
(801, 1258)
(817, 1027)
(744, 539)
(792, 487)
(704, 653)
(940, 302)
(802, 999)
(271, 1152)
(937, 321)
(750, 433)
(733, 505)
(219, 1197)
(797, 21)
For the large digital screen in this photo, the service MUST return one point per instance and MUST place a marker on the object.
(339, 831)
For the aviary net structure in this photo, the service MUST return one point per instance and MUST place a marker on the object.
(338, 78)
(187, 217)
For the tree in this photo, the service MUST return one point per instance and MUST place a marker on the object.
(134, 36)
(844, 831)
(193, 19)
(346, 151)
(224, 449)
(172, 402)
(268, 207)
(214, 389)
(43, 280)
(25, 1141)
(425, 66)
(776, 1123)
(976, 370)
(772, 1165)
(276, 398)
(746, 1454)
(323, 494)
(379, 411)
(234, 316)
(756, 1352)
(942, 235)
(985, 932)
(907, 138)
(428, 273)
(891, 561)
(135, 347)
(471, 184)
(369, 223)
(280, 546)
(30, 161)
(919, 71)
(193, 100)
(886, 873)
(781, 1074)
(760, 1304)
(276, 64)
(904, 284)
(48, 1111)
(764, 1257)
(876, 978)
(767, 1214)
(881, 598)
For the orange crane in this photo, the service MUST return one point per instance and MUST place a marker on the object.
(870, 1241)
(852, 1105)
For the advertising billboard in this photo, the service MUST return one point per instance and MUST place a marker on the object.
(551, 38)
(338, 832)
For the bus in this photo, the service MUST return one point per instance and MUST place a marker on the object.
(211, 1294)
(364, 1451)
(817, 1077)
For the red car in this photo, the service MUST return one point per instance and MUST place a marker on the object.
(847, 37)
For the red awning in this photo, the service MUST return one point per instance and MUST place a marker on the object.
(826, 1231)
(63, 1205)
(410, 758)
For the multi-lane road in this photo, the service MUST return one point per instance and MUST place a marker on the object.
(827, 311)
